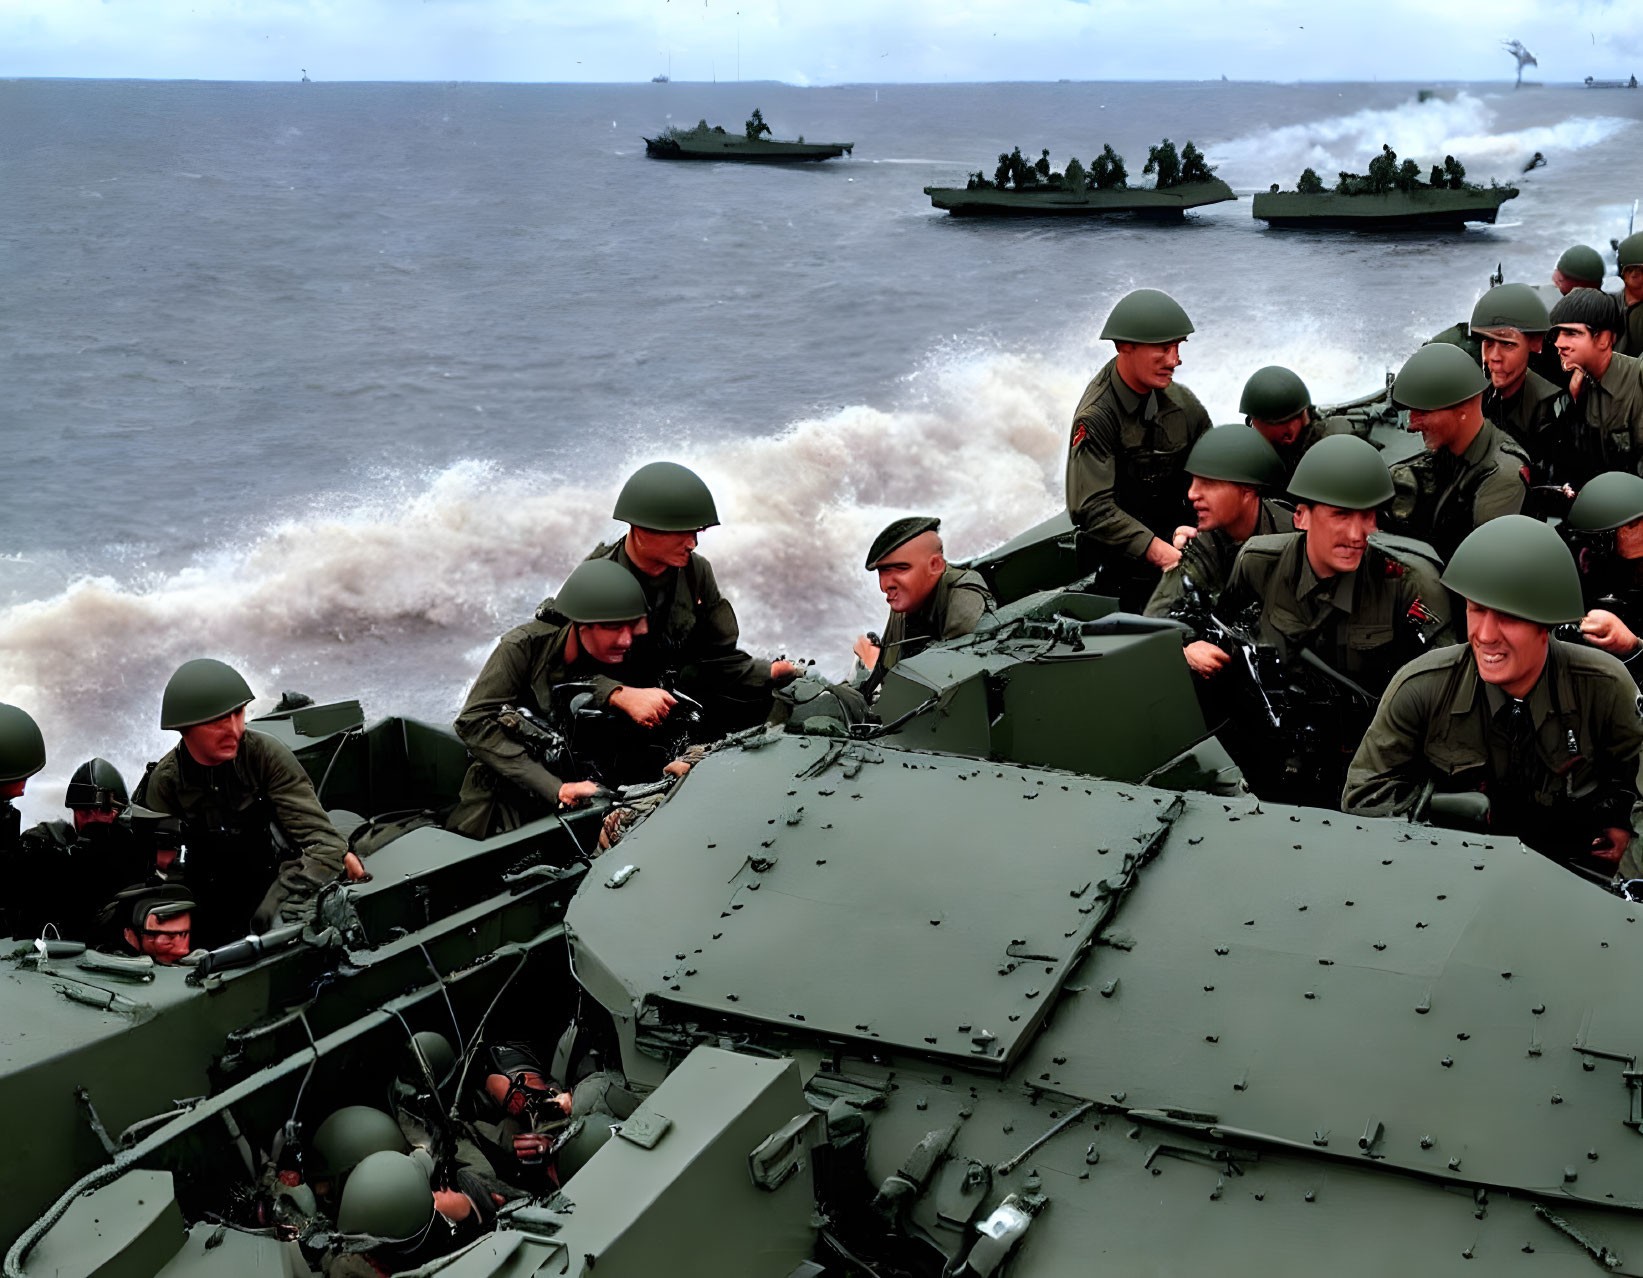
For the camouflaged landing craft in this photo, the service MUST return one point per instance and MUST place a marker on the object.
(1390, 197)
(752, 146)
(1019, 188)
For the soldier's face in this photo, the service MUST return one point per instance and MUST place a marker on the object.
(1506, 357)
(1567, 284)
(670, 549)
(1335, 538)
(1284, 433)
(218, 741)
(1447, 427)
(911, 573)
(1149, 365)
(1579, 347)
(93, 816)
(12, 789)
(610, 642)
(1509, 651)
(1632, 277)
(1219, 503)
(163, 940)
(1628, 540)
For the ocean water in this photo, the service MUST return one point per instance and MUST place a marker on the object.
(336, 381)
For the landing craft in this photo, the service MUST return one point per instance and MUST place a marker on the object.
(1022, 983)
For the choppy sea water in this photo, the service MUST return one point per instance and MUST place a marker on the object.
(336, 381)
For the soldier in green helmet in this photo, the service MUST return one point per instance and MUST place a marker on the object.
(588, 637)
(1604, 430)
(22, 754)
(1232, 468)
(1579, 266)
(1630, 257)
(1548, 731)
(258, 844)
(1131, 432)
(1511, 322)
(1470, 472)
(693, 634)
(928, 599)
(99, 853)
(1605, 531)
(1276, 402)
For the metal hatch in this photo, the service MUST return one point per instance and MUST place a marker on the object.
(923, 902)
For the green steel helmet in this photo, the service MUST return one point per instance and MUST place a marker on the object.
(1607, 501)
(388, 1196)
(600, 591)
(1274, 394)
(1437, 376)
(22, 748)
(1582, 263)
(1518, 566)
(1146, 316)
(348, 1135)
(433, 1049)
(1239, 454)
(1510, 306)
(202, 690)
(1344, 471)
(96, 783)
(1630, 251)
(666, 497)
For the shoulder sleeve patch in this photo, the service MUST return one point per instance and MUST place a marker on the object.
(1079, 434)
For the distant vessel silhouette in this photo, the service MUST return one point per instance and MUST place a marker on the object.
(305, 78)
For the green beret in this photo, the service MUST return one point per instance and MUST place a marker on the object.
(899, 534)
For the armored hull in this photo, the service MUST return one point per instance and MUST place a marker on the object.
(717, 145)
(1167, 205)
(1425, 209)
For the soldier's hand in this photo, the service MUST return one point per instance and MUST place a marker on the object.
(1160, 554)
(354, 868)
(866, 652)
(573, 792)
(677, 768)
(1610, 845)
(1183, 534)
(783, 671)
(645, 706)
(1602, 629)
(1204, 658)
(453, 1204)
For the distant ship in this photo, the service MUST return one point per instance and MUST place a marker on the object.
(749, 146)
(661, 79)
(1611, 84)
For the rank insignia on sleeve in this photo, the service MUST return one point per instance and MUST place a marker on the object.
(1079, 434)
(1418, 611)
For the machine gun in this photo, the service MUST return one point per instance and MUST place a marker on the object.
(580, 739)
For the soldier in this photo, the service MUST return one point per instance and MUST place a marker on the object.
(1578, 267)
(97, 855)
(588, 634)
(1277, 403)
(1630, 255)
(1231, 466)
(1512, 321)
(1605, 531)
(22, 754)
(1132, 430)
(1548, 731)
(1605, 430)
(155, 919)
(1471, 471)
(1362, 609)
(693, 631)
(928, 600)
(259, 845)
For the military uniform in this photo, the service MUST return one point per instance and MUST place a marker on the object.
(1440, 497)
(1363, 624)
(1192, 589)
(955, 606)
(1605, 430)
(1631, 340)
(1554, 779)
(1125, 482)
(693, 636)
(64, 877)
(1531, 416)
(233, 857)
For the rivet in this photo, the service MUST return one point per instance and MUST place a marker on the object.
(1557, 1098)
(1092, 1156)
(935, 922)
(1587, 1064)
(1208, 989)
(1447, 1062)
(1249, 922)
(1505, 976)
(1301, 909)
(1311, 1196)
(1592, 1154)
(1221, 950)
(1454, 1164)
(1311, 994)
(922, 1103)
(1108, 989)
(1212, 1038)
(1118, 1099)
(1323, 962)
(1008, 1127)
(1529, 1247)
(717, 935)
(1388, 861)
(731, 997)
(1380, 945)
(1570, 1174)
(1351, 903)
(1260, 1198)
(1467, 1254)
(1463, 1036)
(929, 1038)
(1426, 1142)
(1538, 1009)
(1420, 925)
(1157, 1171)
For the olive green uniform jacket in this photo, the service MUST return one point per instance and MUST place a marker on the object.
(1606, 424)
(505, 787)
(1438, 723)
(1631, 340)
(1205, 567)
(1530, 415)
(1125, 478)
(263, 772)
(955, 606)
(694, 636)
(1364, 624)
(1440, 497)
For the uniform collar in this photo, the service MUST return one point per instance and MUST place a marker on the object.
(1144, 403)
(1482, 445)
(1495, 698)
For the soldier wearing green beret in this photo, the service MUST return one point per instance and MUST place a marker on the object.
(693, 633)
(1232, 467)
(1470, 472)
(1605, 427)
(1630, 255)
(1549, 732)
(1605, 531)
(1511, 322)
(588, 634)
(928, 599)
(1276, 402)
(1131, 432)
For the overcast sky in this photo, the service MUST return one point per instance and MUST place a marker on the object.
(816, 41)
